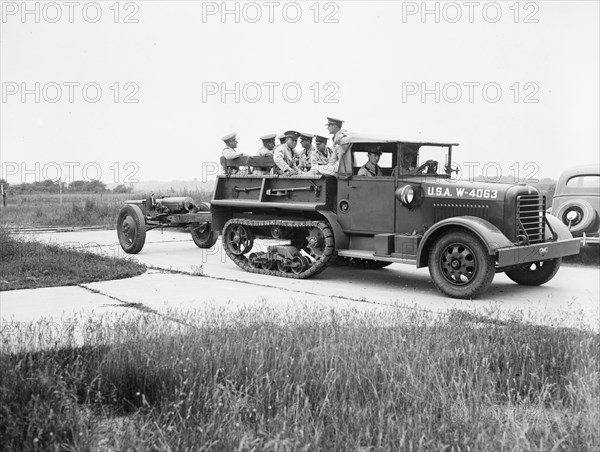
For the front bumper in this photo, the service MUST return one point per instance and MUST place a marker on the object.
(515, 255)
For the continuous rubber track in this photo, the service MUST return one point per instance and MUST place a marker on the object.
(318, 265)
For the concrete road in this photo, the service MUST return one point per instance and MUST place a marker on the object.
(174, 281)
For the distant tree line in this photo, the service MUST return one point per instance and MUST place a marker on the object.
(51, 186)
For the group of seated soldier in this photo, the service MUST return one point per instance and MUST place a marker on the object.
(284, 158)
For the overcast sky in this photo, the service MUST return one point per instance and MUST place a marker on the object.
(515, 84)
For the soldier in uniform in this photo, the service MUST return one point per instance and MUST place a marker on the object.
(266, 150)
(334, 126)
(322, 153)
(284, 156)
(230, 152)
(281, 138)
(304, 156)
(371, 168)
(409, 155)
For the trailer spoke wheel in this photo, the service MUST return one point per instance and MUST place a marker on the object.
(239, 239)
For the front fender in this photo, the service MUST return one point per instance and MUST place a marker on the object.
(489, 234)
(561, 229)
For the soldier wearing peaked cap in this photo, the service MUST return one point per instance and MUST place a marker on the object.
(304, 156)
(322, 153)
(268, 145)
(281, 138)
(284, 156)
(230, 152)
(371, 168)
(267, 149)
(334, 121)
(334, 126)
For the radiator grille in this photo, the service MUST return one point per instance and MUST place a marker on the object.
(531, 210)
(445, 210)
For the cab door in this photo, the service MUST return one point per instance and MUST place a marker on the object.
(366, 204)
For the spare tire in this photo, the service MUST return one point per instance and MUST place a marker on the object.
(586, 215)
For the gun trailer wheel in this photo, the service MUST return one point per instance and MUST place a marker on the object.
(460, 266)
(203, 236)
(131, 228)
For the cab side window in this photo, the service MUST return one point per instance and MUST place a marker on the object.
(386, 161)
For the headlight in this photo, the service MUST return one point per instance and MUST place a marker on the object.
(407, 195)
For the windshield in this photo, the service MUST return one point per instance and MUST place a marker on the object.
(429, 160)
(401, 159)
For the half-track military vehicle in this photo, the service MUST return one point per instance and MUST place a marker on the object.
(415, 213)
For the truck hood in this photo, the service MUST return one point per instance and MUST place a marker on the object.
(472, 190)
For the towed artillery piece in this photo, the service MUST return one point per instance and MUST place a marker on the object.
(414, 213)
(137, 217)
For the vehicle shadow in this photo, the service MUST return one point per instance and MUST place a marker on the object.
(397, 277)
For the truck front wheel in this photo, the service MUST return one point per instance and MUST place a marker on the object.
(460, 266)
(535, 273)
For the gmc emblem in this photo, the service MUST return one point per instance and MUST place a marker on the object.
(543, 251)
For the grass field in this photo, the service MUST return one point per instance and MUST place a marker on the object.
(257, 380)
(76, 209)
(29, 264)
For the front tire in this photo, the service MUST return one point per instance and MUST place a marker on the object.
(460, 266)
(535, 273)
(131, 228)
